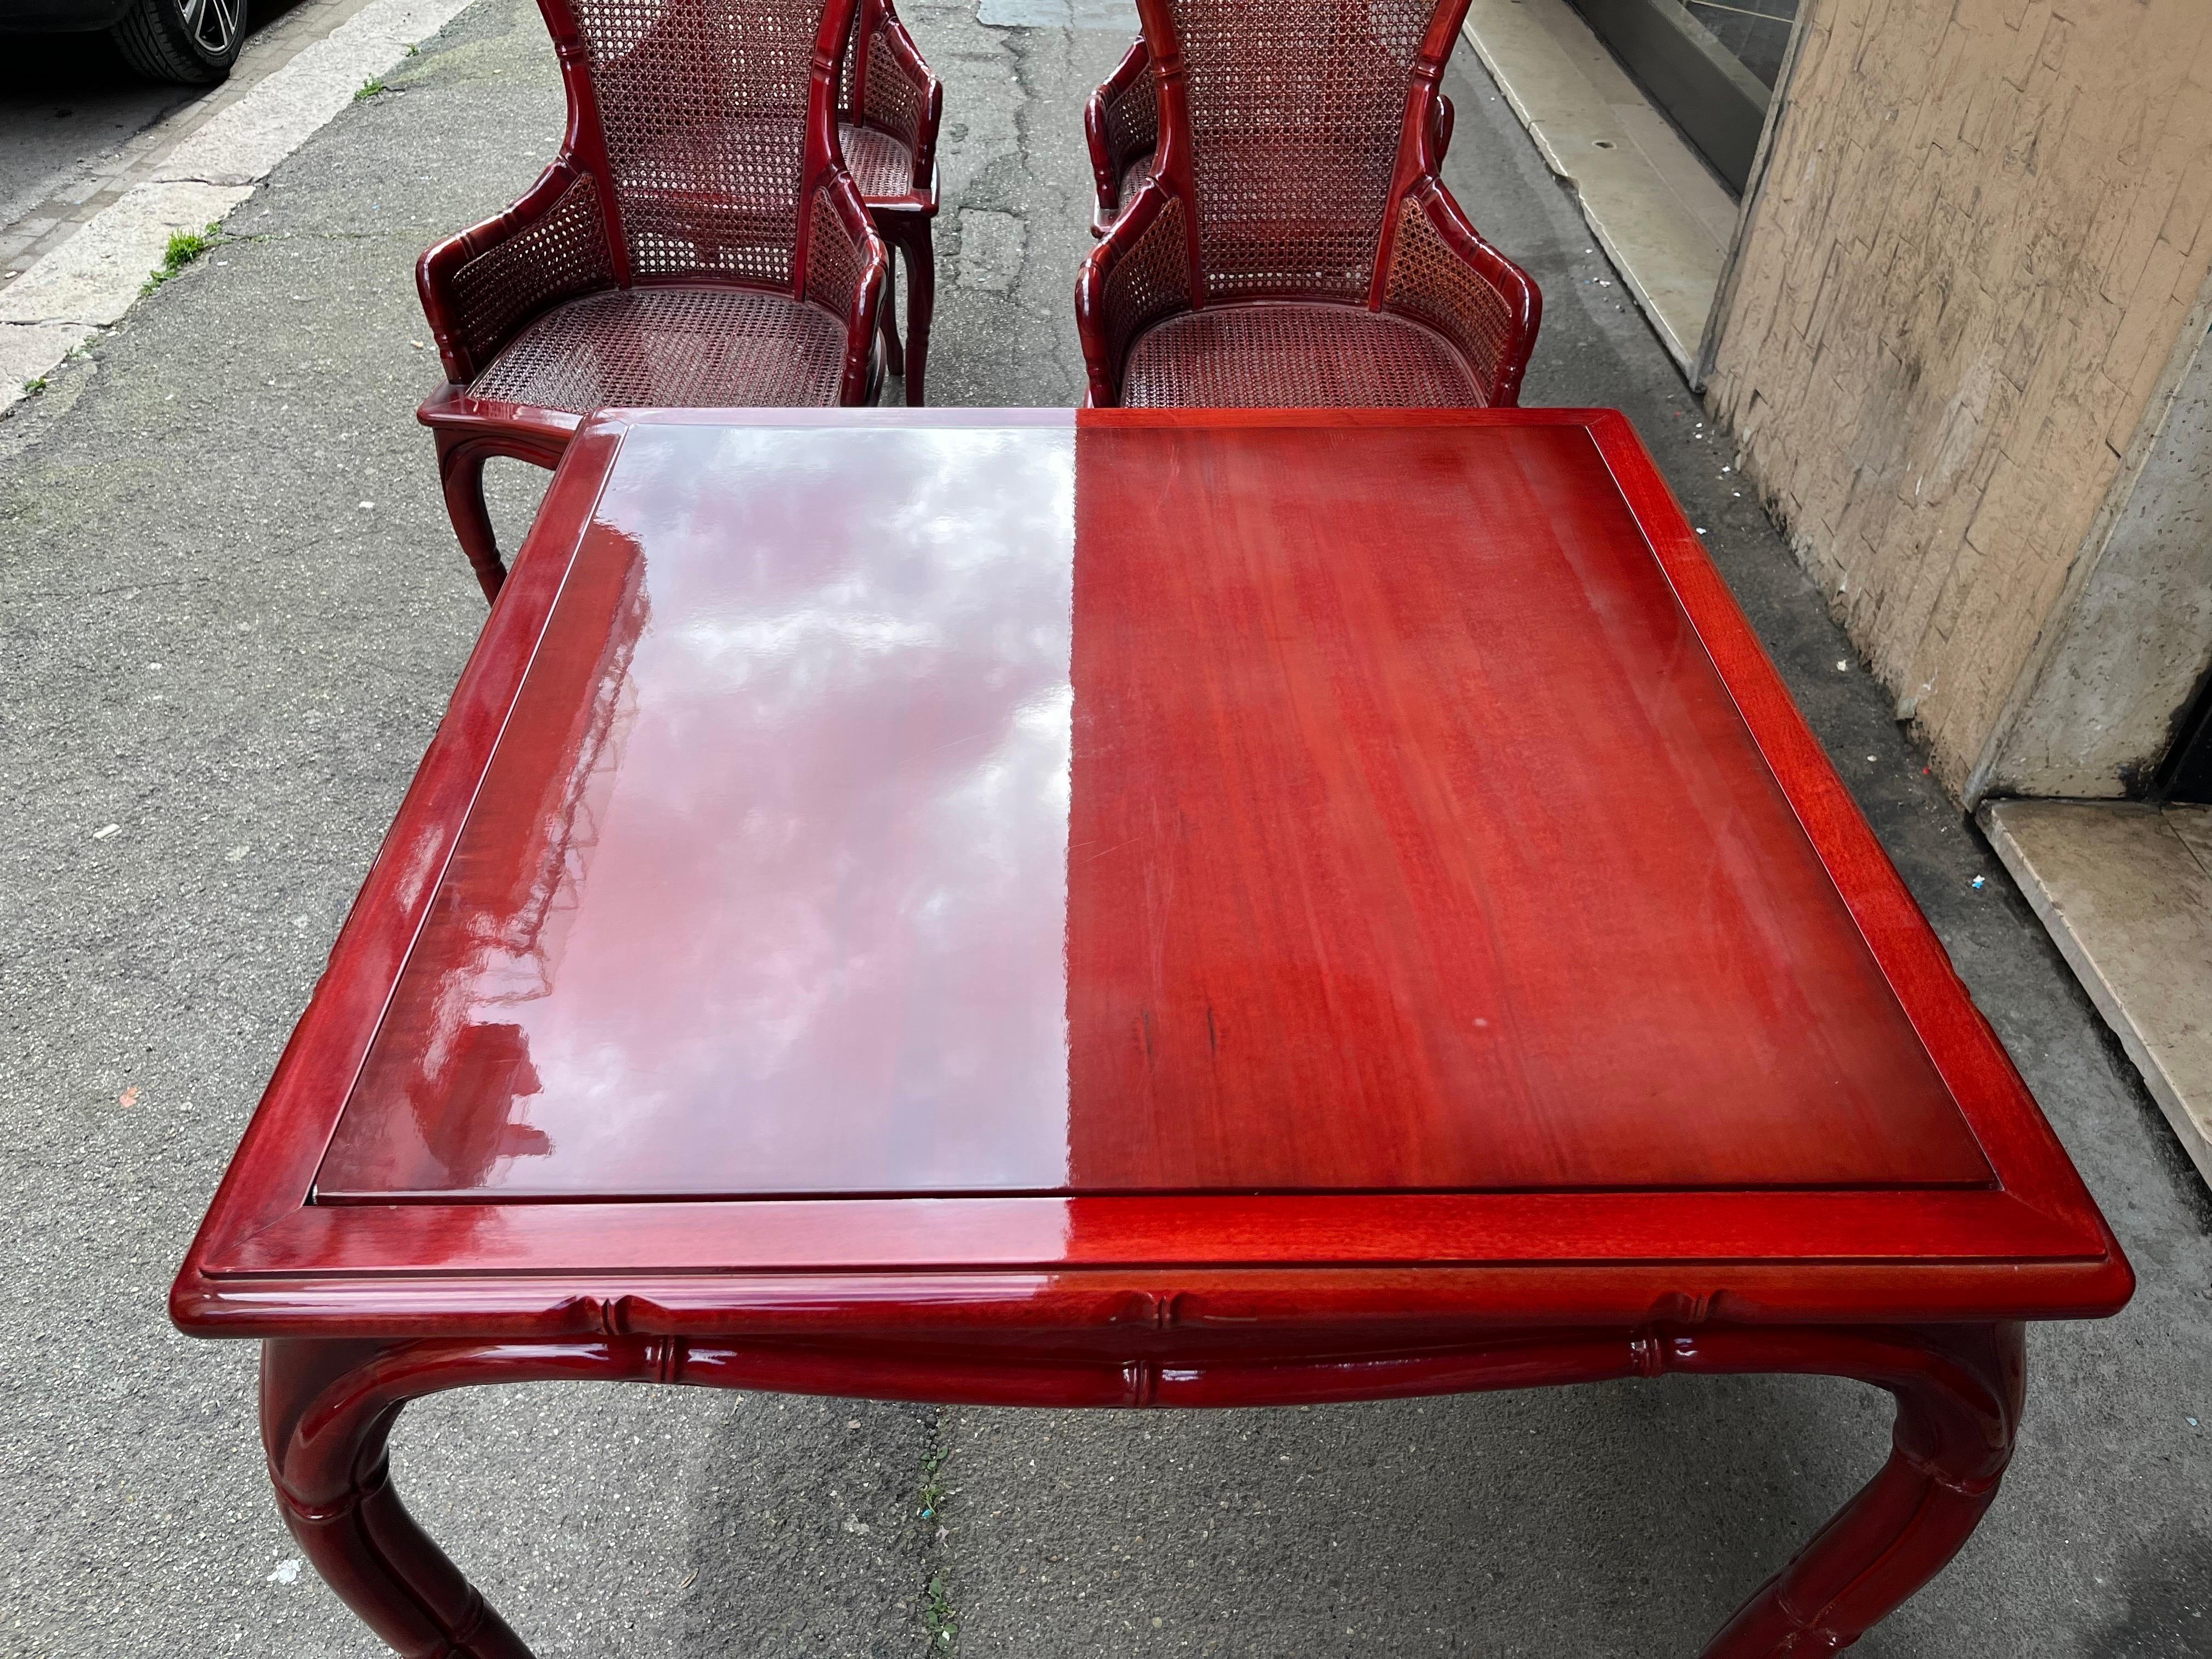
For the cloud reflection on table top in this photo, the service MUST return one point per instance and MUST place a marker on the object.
(766, 887)
(1030, 808)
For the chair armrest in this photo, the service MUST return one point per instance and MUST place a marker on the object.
(845, 262)
(1137, 274)
(479, 287)
(901, 95)
(1442, 273)
(1120, 122)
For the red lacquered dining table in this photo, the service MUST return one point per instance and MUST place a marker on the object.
(1134, 909)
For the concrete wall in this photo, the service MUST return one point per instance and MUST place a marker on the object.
(1952, 329)
(2122, 661)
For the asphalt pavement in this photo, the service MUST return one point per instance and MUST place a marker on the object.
(230, 613)
(66, 100)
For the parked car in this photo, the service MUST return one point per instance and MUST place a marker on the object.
(195, 41)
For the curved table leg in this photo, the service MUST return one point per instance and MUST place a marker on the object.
(327, 1408)
(1959, 1391)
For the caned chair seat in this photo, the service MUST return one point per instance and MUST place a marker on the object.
(881, 163)
(1283, 354)
(674, 347)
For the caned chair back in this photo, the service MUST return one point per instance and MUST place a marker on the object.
(704, 125)
(1289, 129)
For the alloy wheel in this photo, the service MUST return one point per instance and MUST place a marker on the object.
(212, 23)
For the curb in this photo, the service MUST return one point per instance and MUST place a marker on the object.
(89, 280)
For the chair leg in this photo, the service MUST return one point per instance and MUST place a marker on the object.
(919, 247)
(461, 475)
(894, 359)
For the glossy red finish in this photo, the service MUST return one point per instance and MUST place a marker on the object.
(1354, 891)
(780, 795)
(328, 1408)
(1415, 844)
(1175, 909)
(765, 888)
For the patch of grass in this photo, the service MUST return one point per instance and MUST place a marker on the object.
(369, 89)
(185, 247)
(33, 388)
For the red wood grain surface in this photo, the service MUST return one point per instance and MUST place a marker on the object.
(1417, 843)
(1439, 910)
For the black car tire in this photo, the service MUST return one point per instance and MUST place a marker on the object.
(194, 41)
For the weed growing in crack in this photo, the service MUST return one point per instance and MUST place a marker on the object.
(185, 247)
(369, 89)
(938, 1614)
(32, 388)
(933, 1494)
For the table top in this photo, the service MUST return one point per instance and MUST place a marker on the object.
(887, 864)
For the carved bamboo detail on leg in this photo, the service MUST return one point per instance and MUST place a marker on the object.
(328, 1408)
(1958, 1393)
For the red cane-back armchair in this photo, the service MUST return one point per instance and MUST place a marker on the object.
(696, 242)
(1294, 245)
(888, 104)
(1121, 124)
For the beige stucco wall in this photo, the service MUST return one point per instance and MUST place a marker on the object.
(1958, 289)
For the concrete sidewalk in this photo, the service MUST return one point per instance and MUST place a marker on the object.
(232, 611)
